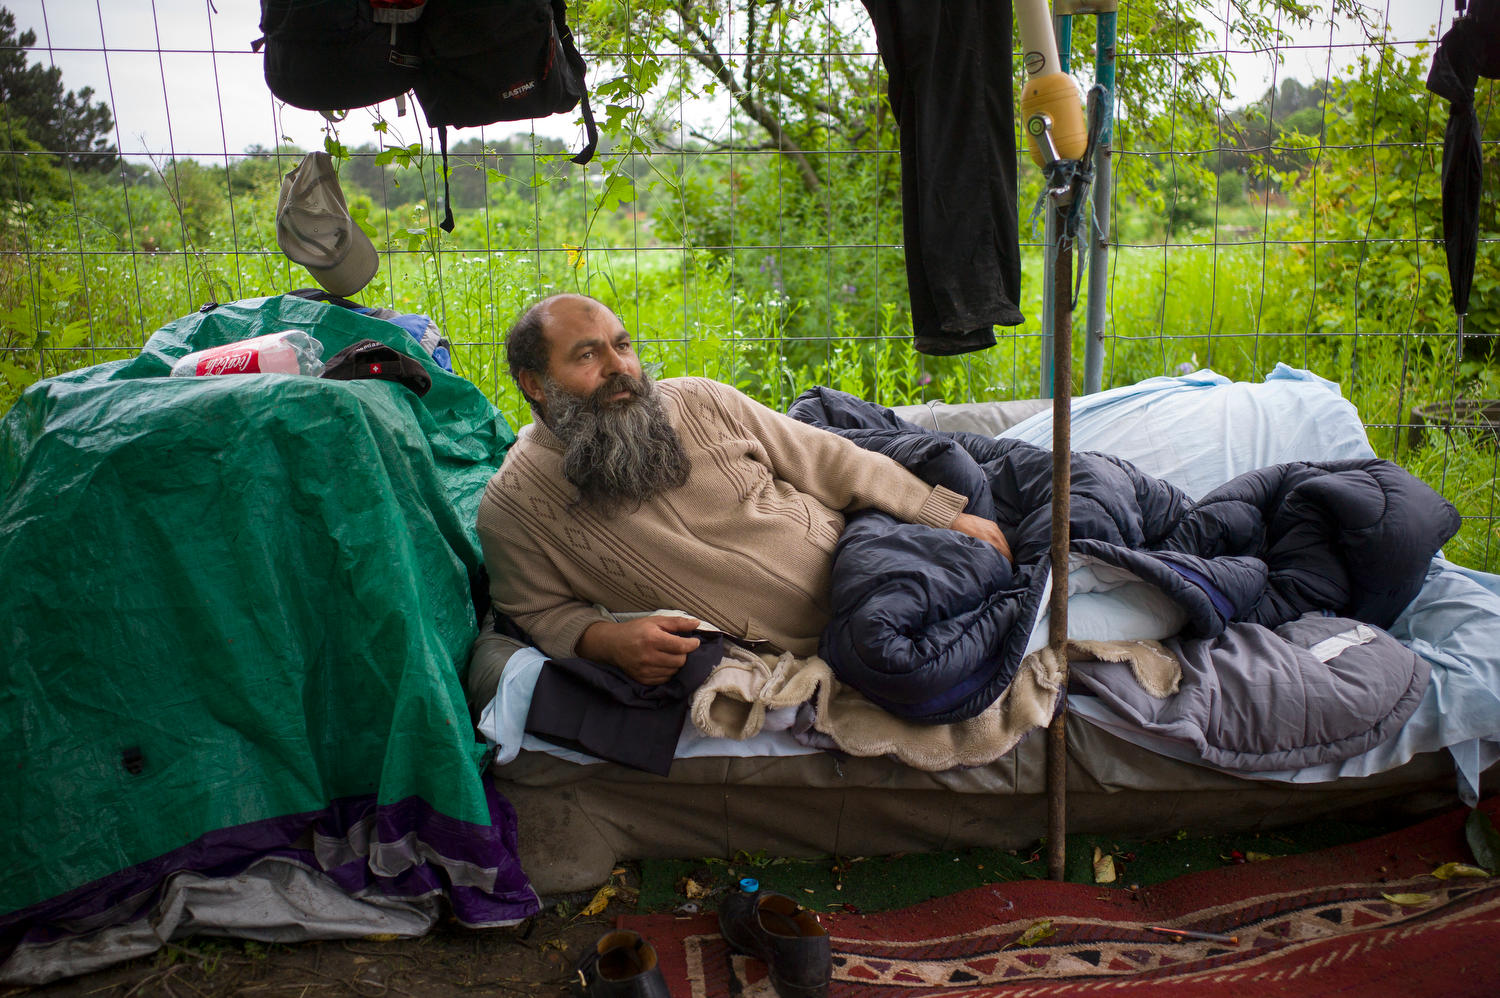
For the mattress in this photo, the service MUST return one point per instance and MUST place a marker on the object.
(579, 816)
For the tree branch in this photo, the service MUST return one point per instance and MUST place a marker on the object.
(708, 57)
(719, 145)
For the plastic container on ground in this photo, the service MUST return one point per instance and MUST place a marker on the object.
(290, 351)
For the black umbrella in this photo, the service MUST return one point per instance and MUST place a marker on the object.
(1469, 50)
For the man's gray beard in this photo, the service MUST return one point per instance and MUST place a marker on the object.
(618, 454)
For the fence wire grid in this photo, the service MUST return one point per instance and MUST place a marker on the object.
(1276, 199)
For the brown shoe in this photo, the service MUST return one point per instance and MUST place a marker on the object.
(783, 935)
(621, 965)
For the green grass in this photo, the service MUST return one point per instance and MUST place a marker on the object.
(883, 883)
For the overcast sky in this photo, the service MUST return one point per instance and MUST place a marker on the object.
(181, 78)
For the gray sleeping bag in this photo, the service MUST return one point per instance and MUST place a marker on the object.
(1315, 690)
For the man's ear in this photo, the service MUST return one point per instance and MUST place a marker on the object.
(531, 385)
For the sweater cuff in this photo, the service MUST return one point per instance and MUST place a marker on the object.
(941, 508)
(572, 630)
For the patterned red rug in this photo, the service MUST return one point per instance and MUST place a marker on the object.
(1317, 924)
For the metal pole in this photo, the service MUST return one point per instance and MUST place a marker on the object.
(1063, 29)
(1057, 629)
(1104, 75)
(1058, 322)
(1049, 301)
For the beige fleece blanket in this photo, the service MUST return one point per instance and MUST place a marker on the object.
(734, 700)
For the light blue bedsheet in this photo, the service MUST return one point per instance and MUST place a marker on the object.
(1198, 431)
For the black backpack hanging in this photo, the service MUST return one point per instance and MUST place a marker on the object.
(499, 60)
(327, 55)
(471, 62)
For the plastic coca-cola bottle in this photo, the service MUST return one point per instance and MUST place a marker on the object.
(288, 352)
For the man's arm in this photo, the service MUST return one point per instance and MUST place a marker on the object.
(525, 583)
(649, 650)
(845, 476)
(526, 586)
(837, 472)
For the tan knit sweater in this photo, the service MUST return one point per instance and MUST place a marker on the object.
(747, 544)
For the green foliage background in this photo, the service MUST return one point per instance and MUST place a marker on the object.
(744, 218)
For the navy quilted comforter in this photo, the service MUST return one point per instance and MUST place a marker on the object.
(931, 624)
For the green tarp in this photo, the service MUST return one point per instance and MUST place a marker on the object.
(231, 599)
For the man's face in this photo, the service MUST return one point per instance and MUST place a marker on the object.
(587, 345)
(619, 447)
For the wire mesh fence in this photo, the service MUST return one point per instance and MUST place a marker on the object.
(1275, 199)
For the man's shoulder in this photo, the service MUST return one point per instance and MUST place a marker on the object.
(523, 462)
(691, 385)
(687, 390)
(702, 402)
(525, 445)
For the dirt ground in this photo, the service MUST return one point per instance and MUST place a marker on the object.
(534, 958)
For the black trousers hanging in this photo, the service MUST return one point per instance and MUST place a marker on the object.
(949, 66)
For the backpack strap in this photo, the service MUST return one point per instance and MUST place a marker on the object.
(591, 129)
(570, 51)
(447, 223)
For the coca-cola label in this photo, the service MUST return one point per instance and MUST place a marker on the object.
(229, 360)
(239, 357)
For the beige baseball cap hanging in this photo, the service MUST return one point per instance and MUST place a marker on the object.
(314, 228)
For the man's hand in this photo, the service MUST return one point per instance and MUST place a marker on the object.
(649, 650)
(981, 529)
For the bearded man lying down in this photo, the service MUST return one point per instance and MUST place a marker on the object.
(684, 494)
